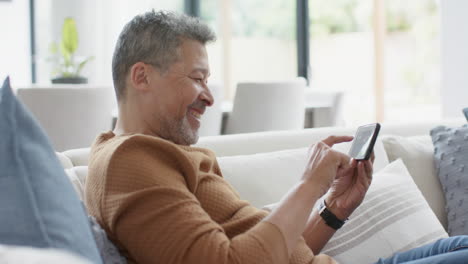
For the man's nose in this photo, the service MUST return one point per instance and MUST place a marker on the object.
(207, 96)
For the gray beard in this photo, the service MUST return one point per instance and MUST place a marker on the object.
(179, 132)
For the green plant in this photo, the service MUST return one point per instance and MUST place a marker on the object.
(66, 63)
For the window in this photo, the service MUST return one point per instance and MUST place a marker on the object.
(412, 61)
(383, 54)
(342, 54)
(256, 41)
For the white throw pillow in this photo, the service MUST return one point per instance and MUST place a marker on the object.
(394, 217)
(265, 178)
(418, 155)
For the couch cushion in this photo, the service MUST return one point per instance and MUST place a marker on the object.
(282, 169)
(78, 157)
(451, 159)
(393, 217)
(265, 177)
(38, 206)
(77, 176)
(64, 160)
(418, 155)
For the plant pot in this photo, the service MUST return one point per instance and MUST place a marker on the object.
(70, 80)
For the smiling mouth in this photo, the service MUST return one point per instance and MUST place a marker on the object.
(195, 114)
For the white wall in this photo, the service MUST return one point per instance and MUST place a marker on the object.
(454, 89)
(98, 30)
(15, 58)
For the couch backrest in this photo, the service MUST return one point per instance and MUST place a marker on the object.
(75, 161)
(251, 143)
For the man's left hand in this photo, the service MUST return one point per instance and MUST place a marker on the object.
(349, 188)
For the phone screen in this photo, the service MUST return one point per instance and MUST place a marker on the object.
(364, 141)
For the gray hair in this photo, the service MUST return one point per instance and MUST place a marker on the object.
(154, 38)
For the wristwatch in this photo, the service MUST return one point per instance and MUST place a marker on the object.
(330, 219)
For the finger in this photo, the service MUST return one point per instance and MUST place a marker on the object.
(332, 140)
(369, 167)
(361, 170)
(345, 161)
(347, 170)
(363, 177)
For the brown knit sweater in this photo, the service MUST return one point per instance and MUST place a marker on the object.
(165, 203)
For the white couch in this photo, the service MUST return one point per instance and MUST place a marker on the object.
(281, 155)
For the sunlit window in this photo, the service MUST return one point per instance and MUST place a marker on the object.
(412, 61)
(342, 54)
(344, 57)
(256, 41)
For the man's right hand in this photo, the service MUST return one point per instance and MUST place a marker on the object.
(325, 164)
(321, 169)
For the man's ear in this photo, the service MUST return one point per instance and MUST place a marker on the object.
(139, 76)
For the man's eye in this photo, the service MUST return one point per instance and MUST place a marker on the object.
(199, 80)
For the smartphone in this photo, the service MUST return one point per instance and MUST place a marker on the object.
(465, 111)
(364, 141)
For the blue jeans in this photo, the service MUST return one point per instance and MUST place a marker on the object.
(453, 250)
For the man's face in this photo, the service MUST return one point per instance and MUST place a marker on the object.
(180, 95)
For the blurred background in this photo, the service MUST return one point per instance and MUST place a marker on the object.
(385, 56)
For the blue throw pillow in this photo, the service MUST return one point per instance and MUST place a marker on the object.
(38, 205)
(451, 161)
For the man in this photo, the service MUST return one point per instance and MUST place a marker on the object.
(162, 201)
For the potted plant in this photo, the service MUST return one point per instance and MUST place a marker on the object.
(67, 65)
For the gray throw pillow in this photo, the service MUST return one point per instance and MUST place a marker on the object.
(38, 205)
(109, 252)
(451, 161)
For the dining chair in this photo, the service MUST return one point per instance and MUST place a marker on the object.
(326, 107)
(265, 106)
(71, 116)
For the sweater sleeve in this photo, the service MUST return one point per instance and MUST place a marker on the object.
(149, 210)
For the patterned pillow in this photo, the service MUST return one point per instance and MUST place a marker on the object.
(394, 217)
(451, 160)
(109, 252)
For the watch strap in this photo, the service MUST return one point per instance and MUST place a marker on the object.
(330, 219)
